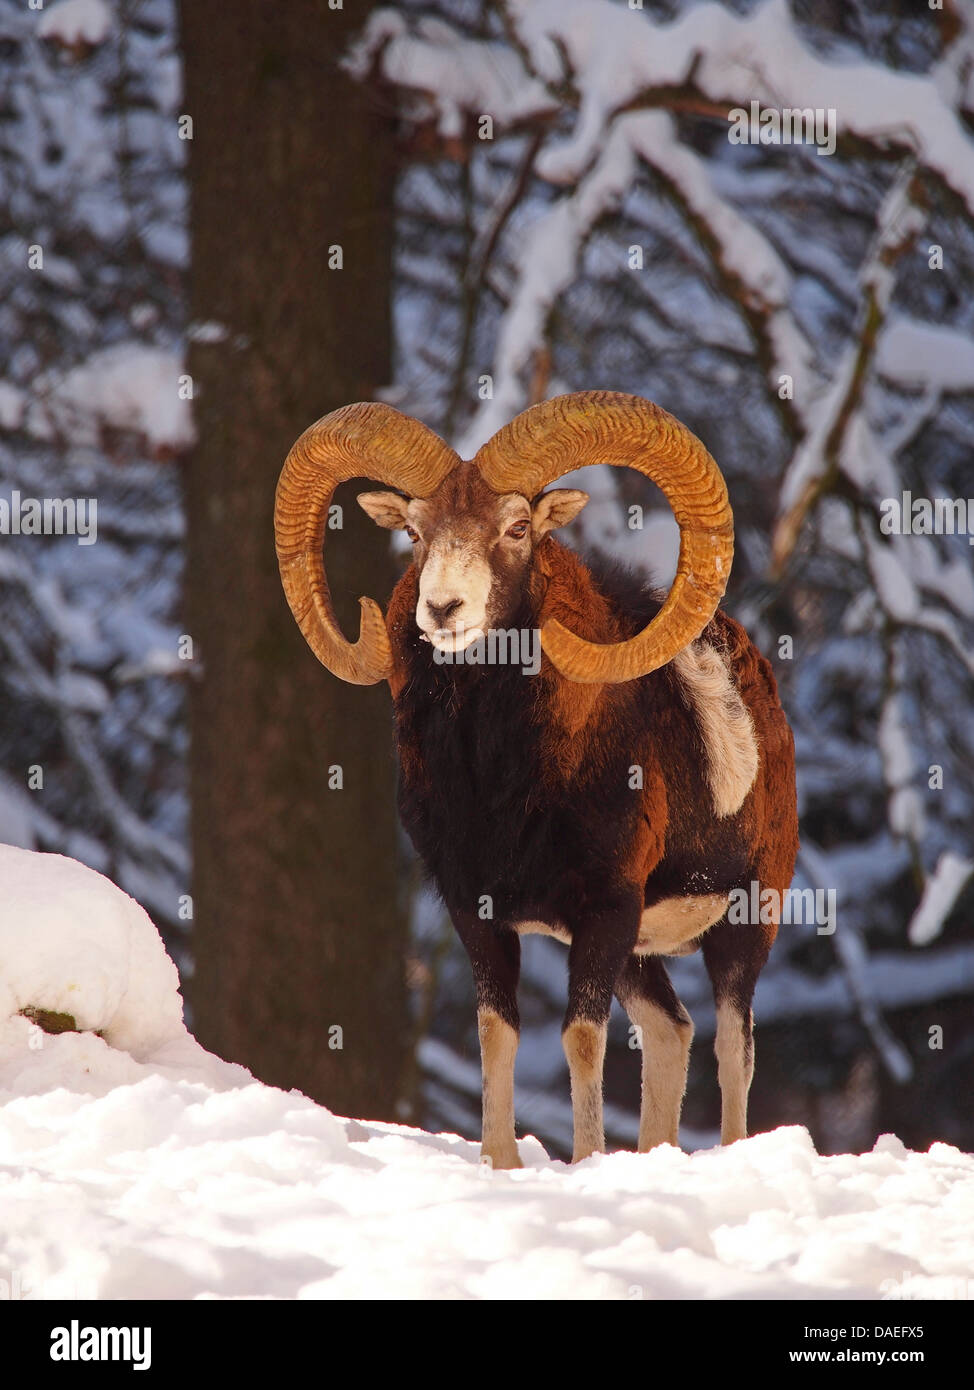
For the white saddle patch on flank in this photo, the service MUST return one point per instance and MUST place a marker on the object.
(725, 725)
(554, 929)
(670, 926)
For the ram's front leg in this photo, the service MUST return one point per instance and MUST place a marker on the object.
(495, 955)
(602, 943)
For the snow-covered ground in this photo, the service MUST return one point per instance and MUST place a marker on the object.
(135, 1164)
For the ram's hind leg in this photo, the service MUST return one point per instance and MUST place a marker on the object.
(665, 1032)
(734, 954)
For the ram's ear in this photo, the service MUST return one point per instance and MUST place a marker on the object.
(556, 508)
(386, 509)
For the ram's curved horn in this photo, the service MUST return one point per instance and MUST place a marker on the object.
(366, 440)
(559, 435)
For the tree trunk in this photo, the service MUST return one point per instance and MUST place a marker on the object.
(299, 925)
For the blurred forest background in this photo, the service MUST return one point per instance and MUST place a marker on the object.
(461, 208)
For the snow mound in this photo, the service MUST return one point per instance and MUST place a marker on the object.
(73, 945)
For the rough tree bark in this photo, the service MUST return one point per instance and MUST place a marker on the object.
(298, 923)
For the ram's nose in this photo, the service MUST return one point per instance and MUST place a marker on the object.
(439, 612)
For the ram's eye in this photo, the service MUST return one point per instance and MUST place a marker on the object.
(518, 531)
(413, 535)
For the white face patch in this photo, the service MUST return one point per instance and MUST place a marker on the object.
(453, 590)
(456, 578)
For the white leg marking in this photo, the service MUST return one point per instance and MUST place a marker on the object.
(666, 1056)
(498, 1048)
(584, 1044)
(735, 1067)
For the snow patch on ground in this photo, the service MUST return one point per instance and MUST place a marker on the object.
(136, 1164)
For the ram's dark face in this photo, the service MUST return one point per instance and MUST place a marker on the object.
(473, 549)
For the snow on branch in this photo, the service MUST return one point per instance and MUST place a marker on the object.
(76, 23)
(835, 419)
(942, 889)
(551, 251)
(618, 56)
(925, 356)
(129, 386)
(450, 75)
